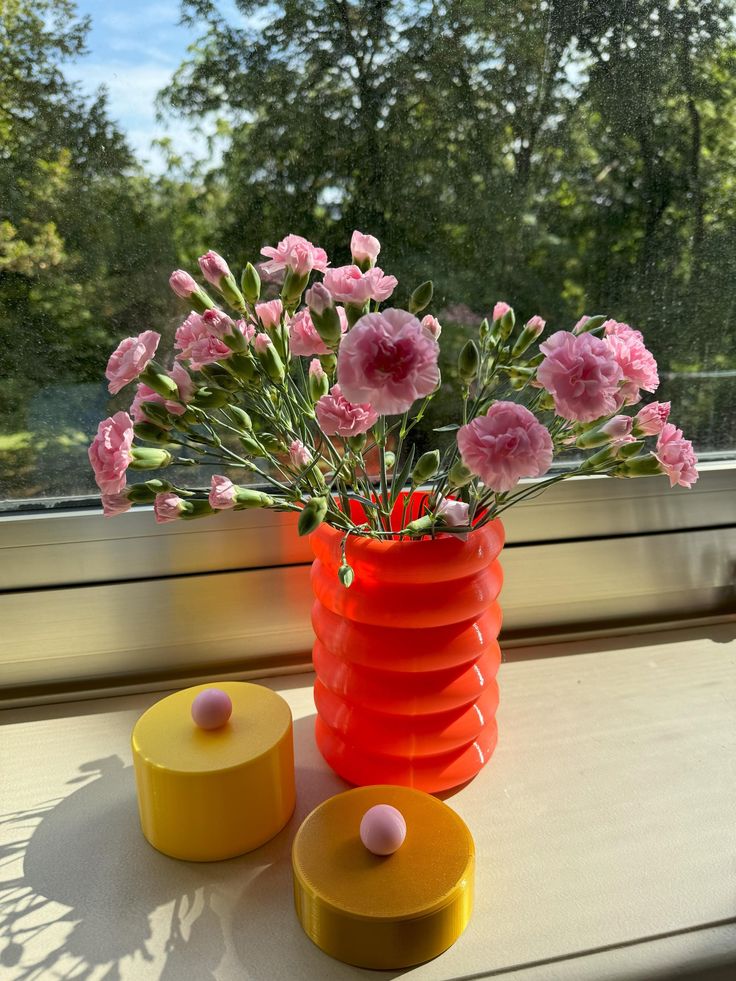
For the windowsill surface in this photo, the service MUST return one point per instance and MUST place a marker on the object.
(604, 826)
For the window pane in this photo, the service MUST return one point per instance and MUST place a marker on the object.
(569, 158)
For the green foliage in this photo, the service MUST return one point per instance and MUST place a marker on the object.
(574, 155)
(85, 238)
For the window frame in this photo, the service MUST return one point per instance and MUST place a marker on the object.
(89, 604)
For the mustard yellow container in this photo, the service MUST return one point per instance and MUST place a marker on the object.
(383, 911)
(210, 794)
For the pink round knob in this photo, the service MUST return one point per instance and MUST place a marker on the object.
(382, 829)
(212, 708)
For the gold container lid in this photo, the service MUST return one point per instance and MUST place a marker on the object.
(388, 911)
(210, 794)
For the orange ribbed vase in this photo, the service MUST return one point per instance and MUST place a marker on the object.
(406, 658)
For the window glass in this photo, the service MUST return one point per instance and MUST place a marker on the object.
(568, 157)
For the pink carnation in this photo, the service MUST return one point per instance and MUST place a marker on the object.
(676, 456)
(650, 420)
(299, 454)
(581, 374)
(109, 453)
(433, 325)
(214, 268)
(637, 363)
(303, 336)
(222, 493)
(113, 504)
(269, 313)
(167, 506)
(504, 445)
(389, 360)
(130, 358)
(183, 284)
(500, 309)
(364, 248)
(338, 417)
(295, 253)
(348, 284)
(197, 344)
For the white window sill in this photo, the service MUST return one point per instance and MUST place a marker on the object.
(604, 829)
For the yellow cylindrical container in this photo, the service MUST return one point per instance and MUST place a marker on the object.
(210, 794)
(383, 911)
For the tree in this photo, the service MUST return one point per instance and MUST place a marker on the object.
(85, 244)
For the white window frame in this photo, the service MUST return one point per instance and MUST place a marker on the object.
(89, 604)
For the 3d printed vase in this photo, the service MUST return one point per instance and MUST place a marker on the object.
(406, 658)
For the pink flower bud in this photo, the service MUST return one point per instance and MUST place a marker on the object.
(364, 248)
(650, 420)
(580, 324)
(318, 298)
(299, 455)
(214, 268)
(270, 313)
(218, 323)
(316, 370)
(500, 309)
(185, 385)
(617, 427)
(261, 343)
(453, 514)
(433, 325)
(535, 325)
(182, 284)
(222, 493)
(168, 507)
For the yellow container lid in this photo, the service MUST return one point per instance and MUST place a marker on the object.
(387, 911)
(209, 794)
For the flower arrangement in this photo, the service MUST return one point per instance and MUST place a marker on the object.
(306, 389)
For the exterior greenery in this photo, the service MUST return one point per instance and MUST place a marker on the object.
(574, 155)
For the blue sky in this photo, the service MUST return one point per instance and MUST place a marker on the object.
(134, 48)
